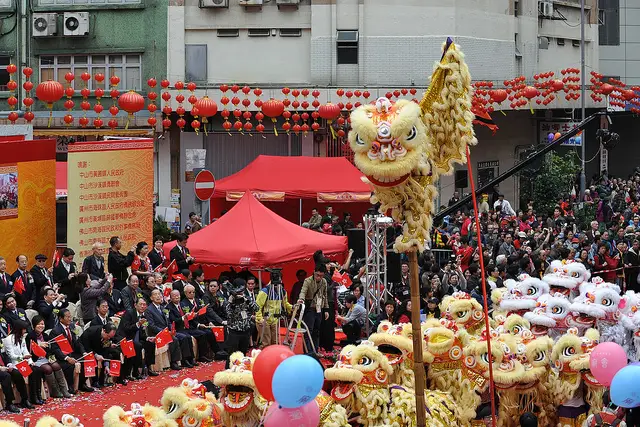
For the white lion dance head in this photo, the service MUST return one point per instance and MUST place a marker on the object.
(565, 277)
(521, 296)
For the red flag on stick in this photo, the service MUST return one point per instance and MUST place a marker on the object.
(128, 349)
(172, 268)
(37, 350)
(203, 310)
(55, 259)
(90, 365)
(135, 265)
(63, 344)
(114, 368)
(166, 291)
(18, 286)
(345, 280)
(163, 338)
(24, 368)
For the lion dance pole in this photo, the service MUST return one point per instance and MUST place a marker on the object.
(402, 148)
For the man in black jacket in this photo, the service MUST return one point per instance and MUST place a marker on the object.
(94, 265)
(119, 263)
(180, 253)
(6, 284)
(134, 326)
(181, 348)
(65, 271)
(68, 361)
(99, 340)
(49, 307)
(182, 321)
(12, 313)
(26, 298)
(131, 292)
(42, 276)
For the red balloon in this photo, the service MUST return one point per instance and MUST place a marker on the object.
(265, 366)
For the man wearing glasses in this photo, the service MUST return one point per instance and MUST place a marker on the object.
(42, 276)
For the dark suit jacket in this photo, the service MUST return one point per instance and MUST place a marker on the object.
(96, 321)
(118, 264)
(48, 312)
(157, 319)
(91, 340)
(40, 280)
(11, 317)
(155, 258)
(181, 260)
(90, 266)
(61, 276)
(187, 307)
(178, 285)
(129, 297)
(115, 302)
(128, 328)
(6, 284)
(76, 344)
(175, 317)
(29, 293)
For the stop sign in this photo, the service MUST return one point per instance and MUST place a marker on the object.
(205, 184)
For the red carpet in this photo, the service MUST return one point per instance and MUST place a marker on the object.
(89, 407)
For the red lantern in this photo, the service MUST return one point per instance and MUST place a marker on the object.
(11, 68)
(191, 86)
(207, 107)
(498, 95)
(99, 78)
(68, 119)
(606, 89)
(28, 85)
(29, 116)
(69, 77)
(166, 123)
(28, 102)
(131, 102)
(13, 116)
(181, 123)
(49, 92)
(98, 123)
(115, 80)
(27, 71)
(152, 82)
(113, 123)
(98, 108)
(273, 108)
(12, 101)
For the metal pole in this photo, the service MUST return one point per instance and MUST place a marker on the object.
(583, 176)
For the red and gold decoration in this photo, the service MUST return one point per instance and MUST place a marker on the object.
(237, 113)
(225, 111)
(329, 112)
(115, 94)
(259, 115)
(12, 85)
(246, 114)
(152, 95)
(49, 92)
(99, 93)
(166, 97)
(85, 105)
(131, 102)
(207, 107)
(181, 122)
(195, 112)
(28, 100)
(69, 104)
(272, 109)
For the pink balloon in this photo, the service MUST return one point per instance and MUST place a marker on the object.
(304, 416)
(606, 360)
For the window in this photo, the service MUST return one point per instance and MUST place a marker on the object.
(6, 3)
(4, 74)
(128, 67)
(516, 43)
(347, 42)
(259, 32)
(290, 32)
(85, 2)
(228, 32)
(195, 62)
(609, 22)
(560, 41)
(575, 43)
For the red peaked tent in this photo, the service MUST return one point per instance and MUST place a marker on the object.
(250, 235)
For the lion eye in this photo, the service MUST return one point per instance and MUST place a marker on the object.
(607, 302)
(412, 134)
(359, 140)
(365, 361)
(540, 356)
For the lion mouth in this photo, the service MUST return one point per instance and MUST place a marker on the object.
(585, 320)
(341, 391)
(538, 330)
(237, 398)
(393, 354)
(387, 182)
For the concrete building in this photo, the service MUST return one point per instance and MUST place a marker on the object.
(619, 26)
(372, 45)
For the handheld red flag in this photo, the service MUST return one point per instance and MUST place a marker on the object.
(90, 365)
(18, 285)
(191, 316)
(56, 258)
(37, 350)
(163, 338)
(157, 269)
(128, 349)
(203, 310)
(24, 368)
(120, 313)
(336, 277)
(179, 277)
(172, 268)
(63, 344)
(114, 368)
(135, 265)
(345, 280)
(218, 332)
(166, 291)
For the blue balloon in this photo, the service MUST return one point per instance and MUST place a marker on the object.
(297, 381)
(578, 139)
(625, 387)
(551, 137)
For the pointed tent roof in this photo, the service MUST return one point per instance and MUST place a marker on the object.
(250, 234)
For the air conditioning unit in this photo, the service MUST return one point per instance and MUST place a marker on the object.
(44, 24)
(545, 8)
(250, 3)
(76, 24)
(214, 3)
(287, 3)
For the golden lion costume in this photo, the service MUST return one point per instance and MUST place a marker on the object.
(394, 341)
(403, 147)
(138, 416)
(465, 311)
(191, 405)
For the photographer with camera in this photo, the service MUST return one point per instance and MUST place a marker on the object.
(272, 305)
(454, 276)
(239, 313)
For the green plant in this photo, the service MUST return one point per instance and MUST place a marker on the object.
(554, 181)
(160, 230)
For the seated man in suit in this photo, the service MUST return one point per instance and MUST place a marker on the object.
(27, 297)
(51, 304)
(180, 253)
(6, 283)
(68, 361)
(131, 292)
(181, 319)
(181, 349)
(42, 276)
(99, 340)
(64, 272)
(12, 313)
(94, 265)
(134, 326)
(102, 313)
(191, 305)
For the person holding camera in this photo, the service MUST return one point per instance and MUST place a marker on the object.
(272, 305)
(239, 313)
(454, 277)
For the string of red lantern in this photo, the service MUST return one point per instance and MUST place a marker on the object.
(99, 93)
(152, 95)
(259, 115)
(246, 114)
(28, 100)
(69, 104)
(237, 113)
(85, 105)
(181, 122)
(166, 109)
(12, 85)
(115, 94)
(195, 111)
(225, 111)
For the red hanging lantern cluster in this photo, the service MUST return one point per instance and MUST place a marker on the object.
(12, 85)
(85, 105)
(246, 114)
(547, 87)
(206, 108)
(114, 81)
(596, 85)
(28, 100)
(259, 115)
(480, 98)
(181, 122)
(571, 82)
(49, 92)
(152, 95)
(166, 109)
(225, 111)
(195, 112)
(69, 104)
(98, 107)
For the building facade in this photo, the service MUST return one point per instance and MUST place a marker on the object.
(619, 25)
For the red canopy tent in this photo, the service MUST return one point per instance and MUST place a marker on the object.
(250, 235)
(314, 180)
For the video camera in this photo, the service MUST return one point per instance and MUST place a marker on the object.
(275, 275)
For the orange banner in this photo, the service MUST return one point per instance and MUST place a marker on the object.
(110, 193)
(264, 196)
(343, 197)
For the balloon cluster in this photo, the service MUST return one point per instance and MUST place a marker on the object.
(291, 383)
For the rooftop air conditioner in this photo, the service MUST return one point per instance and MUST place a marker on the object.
(76, 24)
(44, 24)
(214, 3)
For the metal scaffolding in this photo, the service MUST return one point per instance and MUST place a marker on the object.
(375, 227)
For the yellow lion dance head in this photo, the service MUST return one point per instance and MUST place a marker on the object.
(190, 405)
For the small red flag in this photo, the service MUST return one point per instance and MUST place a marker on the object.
(18, 286)
(218, 332)
(135, 265)
(179, 277)
(24, 368)
(163, 338)
(56, 258)
(203, 310)
(172, 268)
(63, 344)
(191, 316)
(337, 277)
(128, 349)
(90, 365)
(157, 269)
(120, 313)
(173, 328)
(345, 280)
(114, 368)
(37, 350)
(166, 292)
